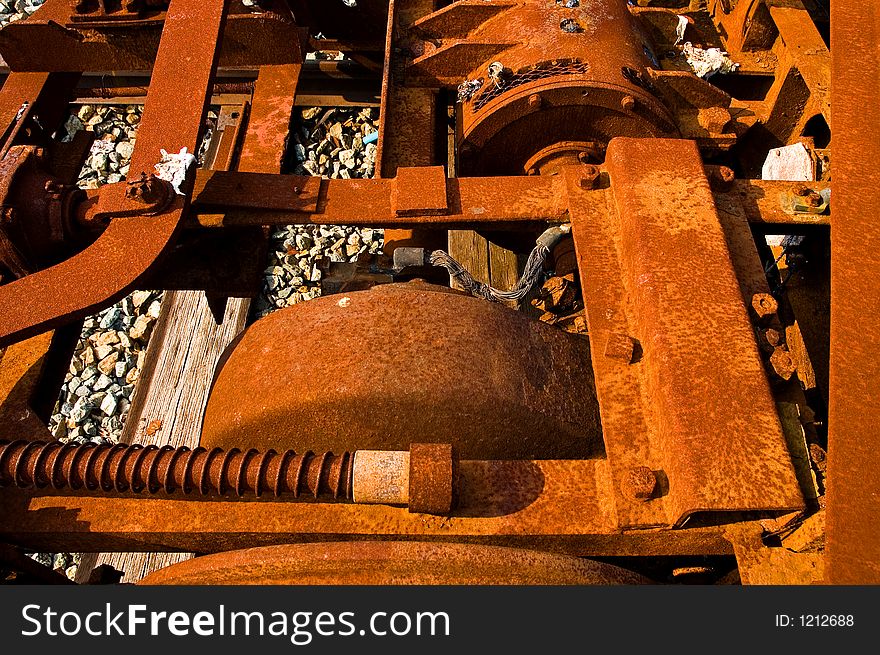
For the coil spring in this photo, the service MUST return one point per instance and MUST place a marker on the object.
(122, 468)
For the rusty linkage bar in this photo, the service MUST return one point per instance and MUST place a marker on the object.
(124, 468)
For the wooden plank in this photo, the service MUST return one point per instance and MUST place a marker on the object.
(503, 267)
(170, 398)
(471, 251)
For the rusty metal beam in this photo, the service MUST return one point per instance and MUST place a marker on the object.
(853, 549)
(49, 41)
(251, 199)
(269, 121)
(556, 505)
(261, 199)
(660, 291)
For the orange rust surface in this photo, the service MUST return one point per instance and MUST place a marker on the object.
(560, 505)
(20, 369)
(657, 267)
(853, 549)
(489, 381)
(390, 563)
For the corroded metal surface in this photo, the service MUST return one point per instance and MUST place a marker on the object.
(853, 454)
(557, 505)
(577, 84)
(677, 300)
(451, 369)
(391, 563)
(639, 266)
(49, 41)
(492, 202)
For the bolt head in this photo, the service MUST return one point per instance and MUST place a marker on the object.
(620, 347)
(628, 103)
(773, 336)
(640, 483)
(764, 305)
(590, 176)
(782, 363)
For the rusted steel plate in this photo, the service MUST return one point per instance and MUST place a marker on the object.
(111, 266)
(41, 42)
(807, 52)
(701, 366)
(625, 424)
(558, 505)
(463, 371)
(761, 202)
(31, 373)
(257, 199)
(390, 563)
(20, 370)
(853, 549)
(46, 95)
(420, 191)
(712, 424)
(407, 114)
(269, 122)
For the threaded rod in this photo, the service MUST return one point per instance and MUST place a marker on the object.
(137, 469)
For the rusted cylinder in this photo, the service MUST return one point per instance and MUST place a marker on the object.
(126, 468)
(577, 74)
(404, 363)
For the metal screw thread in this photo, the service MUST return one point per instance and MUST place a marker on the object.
(134, 468)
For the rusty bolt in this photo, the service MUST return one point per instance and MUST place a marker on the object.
(819, 457)
(147, 189)
(533, 171)
(628, 103)
(433, 473)
(773, 336)
(809, 196)
(782, 362)
(764, 305)
(583, 157)
(535, 101)
(640, 483)
(721, 178)
(620, 347)
(589, 177)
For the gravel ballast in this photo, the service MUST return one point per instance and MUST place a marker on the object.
(13, 10)
(326, 142)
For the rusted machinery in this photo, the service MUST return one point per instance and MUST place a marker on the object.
(676, 427)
